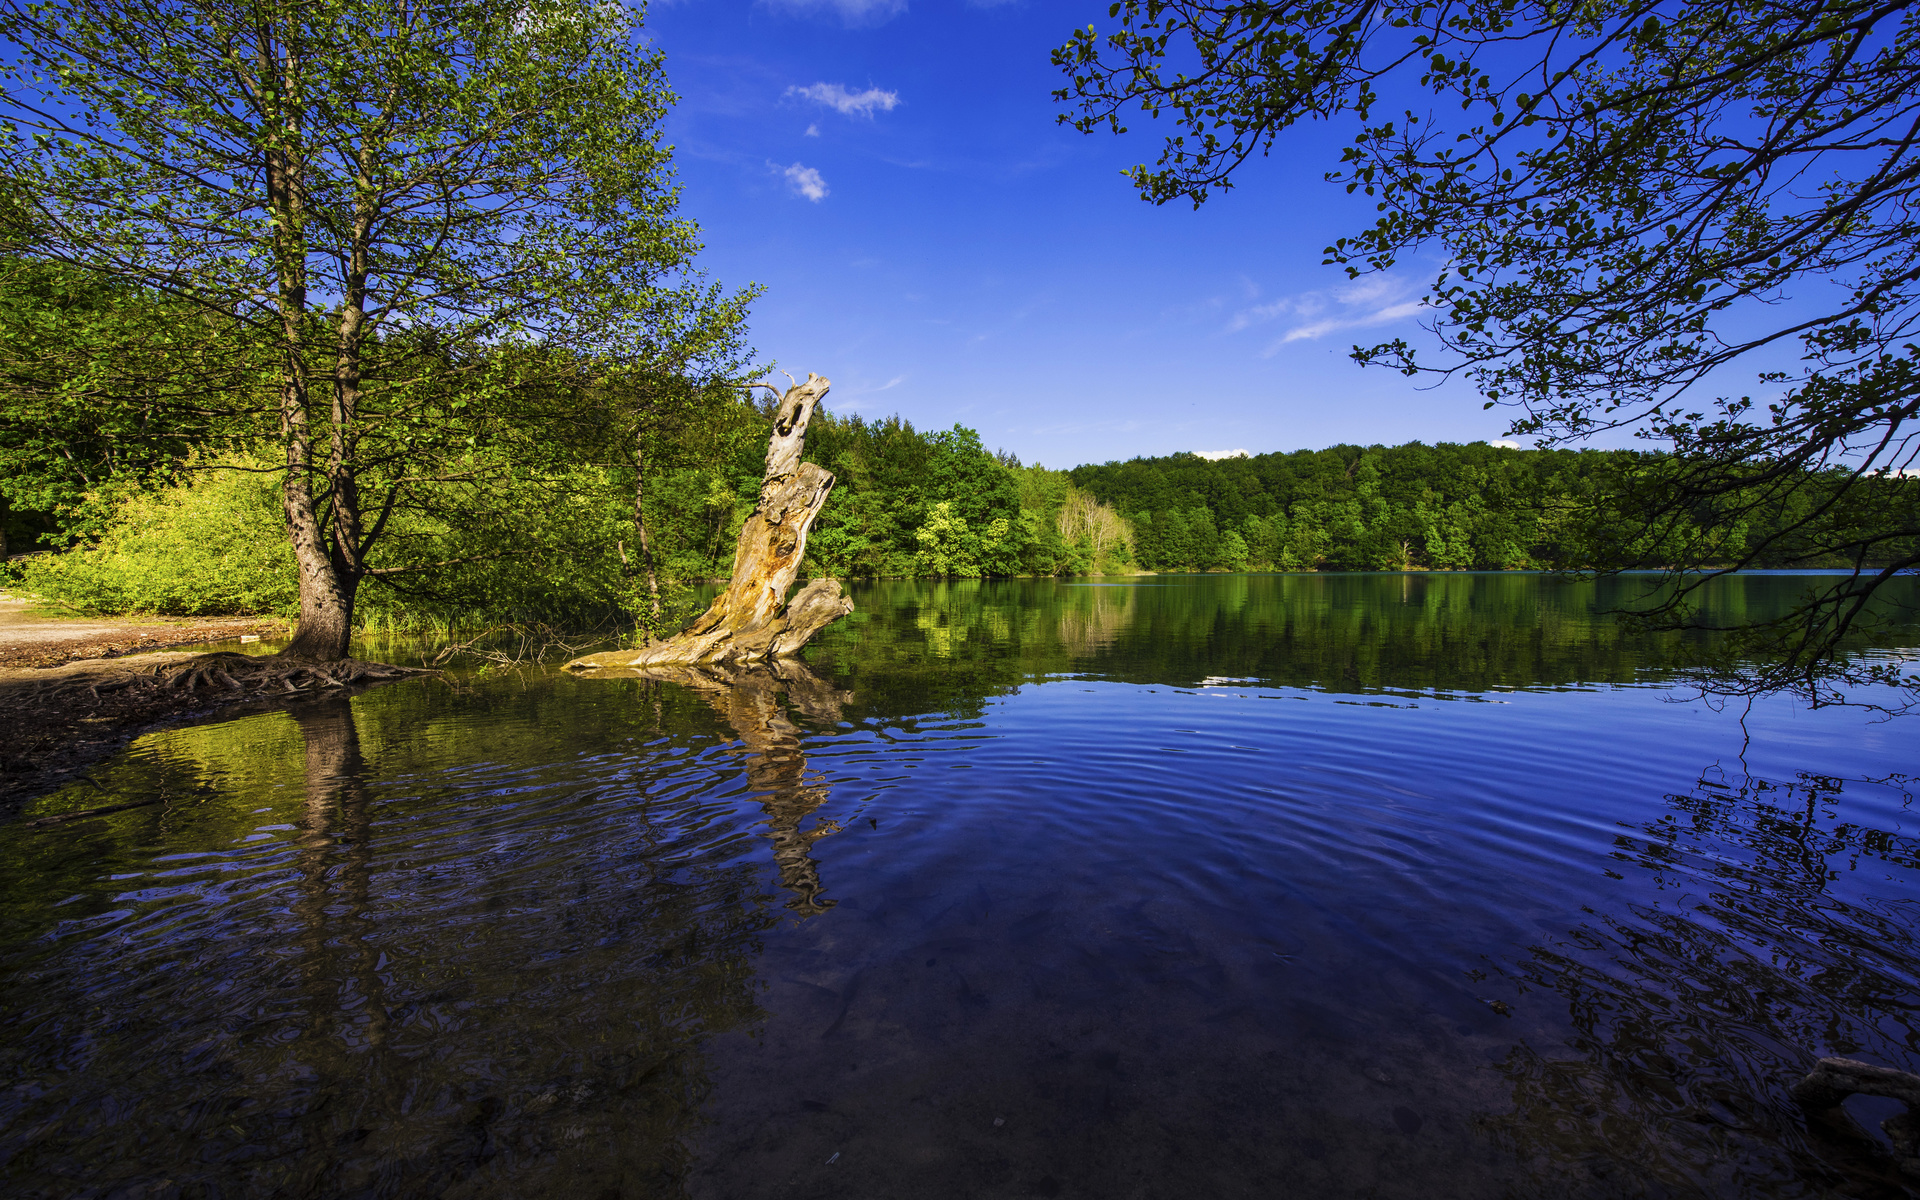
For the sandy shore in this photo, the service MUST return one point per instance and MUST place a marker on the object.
(28, 639)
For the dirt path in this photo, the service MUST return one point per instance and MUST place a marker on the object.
(31, 640)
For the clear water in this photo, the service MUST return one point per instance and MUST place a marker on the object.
(1199, 886)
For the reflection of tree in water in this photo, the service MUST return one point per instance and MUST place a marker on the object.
(337, 967)
(569, 1040)
(477, 988)
(1693, 1016)
(1093, 618)
(961, 642)
(749, 699)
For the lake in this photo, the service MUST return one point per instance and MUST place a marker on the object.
(1215, 886)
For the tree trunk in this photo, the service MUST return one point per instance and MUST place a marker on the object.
(753, 620)
(640, 525)
(330, 543)
(326, 592)
(326, 600)
(325, 632)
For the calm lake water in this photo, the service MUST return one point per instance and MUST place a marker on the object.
(1208, 886)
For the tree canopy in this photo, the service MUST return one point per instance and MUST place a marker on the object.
(1694, 220)
(403, 214)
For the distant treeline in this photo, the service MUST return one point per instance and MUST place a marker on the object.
(1370, 508)
(905, 503)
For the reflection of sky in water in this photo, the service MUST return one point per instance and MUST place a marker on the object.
(1020, 893)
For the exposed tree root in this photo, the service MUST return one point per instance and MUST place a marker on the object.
(237, 673)
(56, 725)
(516, 644)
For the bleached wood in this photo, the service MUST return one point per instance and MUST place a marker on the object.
(753, 620)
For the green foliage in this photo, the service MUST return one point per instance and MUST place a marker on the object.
(908, 503)
(483, 170)
(99, 384)
(541, 549)
(1445, 507)
(214, 542)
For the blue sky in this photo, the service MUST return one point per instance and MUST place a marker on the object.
(890, 170)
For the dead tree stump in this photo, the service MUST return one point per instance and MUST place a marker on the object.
(753, 621)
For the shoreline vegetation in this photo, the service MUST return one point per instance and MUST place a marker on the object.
(204, 536)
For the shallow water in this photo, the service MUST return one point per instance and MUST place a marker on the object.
(1180, 886)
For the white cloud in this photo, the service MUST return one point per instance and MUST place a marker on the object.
(1217, 455)
(1375, 300)
(852, 12)
(846, 103)
(856, 397)
(1373, 289)
(1381, 316)
(1505, 443)
(805, 181)
(1259, 314)
(813, 131)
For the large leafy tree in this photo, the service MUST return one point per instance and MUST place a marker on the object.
(1692, 219)
(390, 195)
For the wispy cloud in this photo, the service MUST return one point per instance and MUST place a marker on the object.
(859, 396)
(812, 131)
(805, 181)
(852, 12)
(847, 103)
(1375, 300)
(1260, 314)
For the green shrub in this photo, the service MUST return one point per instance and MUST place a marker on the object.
(215, 543)
(504, 548)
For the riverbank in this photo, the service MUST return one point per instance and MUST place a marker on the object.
(29, 638)
(57, 724)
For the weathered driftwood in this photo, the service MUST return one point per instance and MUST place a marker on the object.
(1832, 1080)
(753, 621)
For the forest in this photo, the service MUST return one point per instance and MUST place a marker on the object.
(532, 514)
(1441, 507)
(560, 495)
